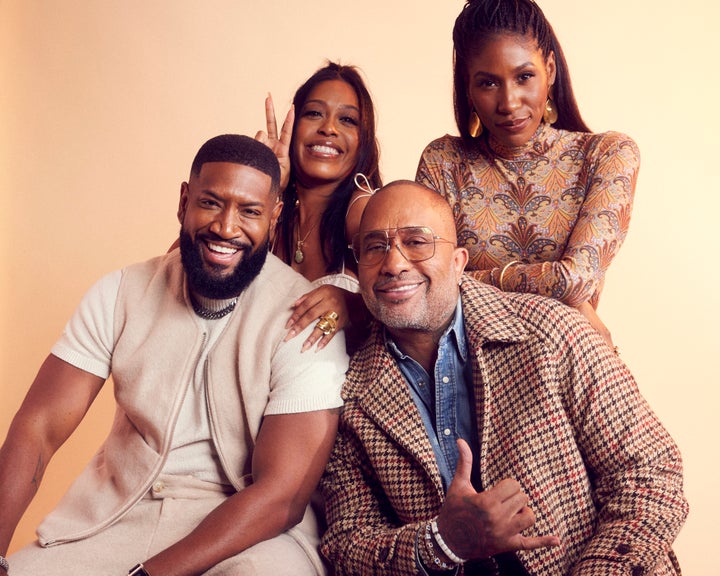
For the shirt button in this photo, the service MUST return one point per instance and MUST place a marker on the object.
(446, 379)
(447, 432)
(159, 486)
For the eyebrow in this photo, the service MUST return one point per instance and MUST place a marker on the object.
(515, 70)
(324, 103)
(220, 198)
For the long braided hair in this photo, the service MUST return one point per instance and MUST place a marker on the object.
(482, 20)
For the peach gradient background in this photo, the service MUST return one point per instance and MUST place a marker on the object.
(103, 105)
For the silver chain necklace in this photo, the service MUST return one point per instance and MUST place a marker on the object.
(212, 314)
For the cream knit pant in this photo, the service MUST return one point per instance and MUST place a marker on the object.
(160, 519)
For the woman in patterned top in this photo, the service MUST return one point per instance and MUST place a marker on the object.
(541, 203)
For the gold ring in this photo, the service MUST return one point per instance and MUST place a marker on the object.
(327, 323)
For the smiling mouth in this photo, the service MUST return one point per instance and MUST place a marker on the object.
(404, 288)
(221, 249)
(397, 294)
(325, 150)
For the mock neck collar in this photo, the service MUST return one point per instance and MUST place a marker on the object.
(523, 152)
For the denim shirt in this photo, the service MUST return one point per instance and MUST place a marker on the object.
(445, 398)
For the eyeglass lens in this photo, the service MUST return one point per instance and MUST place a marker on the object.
(416, 243)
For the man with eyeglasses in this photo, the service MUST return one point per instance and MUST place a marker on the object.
(486, 432)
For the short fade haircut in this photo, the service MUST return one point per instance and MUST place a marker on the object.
(239, 150)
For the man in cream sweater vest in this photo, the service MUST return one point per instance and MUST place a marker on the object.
(222, 429)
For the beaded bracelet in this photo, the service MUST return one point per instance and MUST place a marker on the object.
(444, 547)
(4, 564)
(430, 557)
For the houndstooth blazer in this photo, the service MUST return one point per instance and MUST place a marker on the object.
(556, 409)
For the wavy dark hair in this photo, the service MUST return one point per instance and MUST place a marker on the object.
(332, 224)
(482, 20)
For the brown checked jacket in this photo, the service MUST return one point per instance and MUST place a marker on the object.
(556, 409)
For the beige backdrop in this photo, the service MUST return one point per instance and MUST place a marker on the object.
(104, 103)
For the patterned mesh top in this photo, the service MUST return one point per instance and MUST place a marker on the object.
(558, 207)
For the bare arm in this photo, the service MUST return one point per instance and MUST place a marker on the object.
(289, 458)
(349, 306)
(54, 406)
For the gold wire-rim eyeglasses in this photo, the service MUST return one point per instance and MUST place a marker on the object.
(415, 243)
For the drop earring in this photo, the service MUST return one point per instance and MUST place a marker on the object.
(474, 125)
(550, 115)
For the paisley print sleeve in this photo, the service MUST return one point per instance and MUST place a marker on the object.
(605, 188)
(430, 168)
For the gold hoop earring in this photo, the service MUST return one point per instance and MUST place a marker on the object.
(475, 127)
(550, 115)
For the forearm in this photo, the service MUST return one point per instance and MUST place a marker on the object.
(362, 548)
(564, 280)
(363, 536)
(290, 453)
(484, 276)
(635, 465)
(22, 466)
(55, 404)
(248, 517)
(569, 280)
(641, 506)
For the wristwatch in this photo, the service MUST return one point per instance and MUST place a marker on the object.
(138, 570)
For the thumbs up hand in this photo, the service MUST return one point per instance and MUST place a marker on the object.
(481, 524)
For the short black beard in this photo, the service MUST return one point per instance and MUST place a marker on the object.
(220, 288)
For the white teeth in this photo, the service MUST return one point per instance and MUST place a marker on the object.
(325, 150)
(221, 249)
(403, 288)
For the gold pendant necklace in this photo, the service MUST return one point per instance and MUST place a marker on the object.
(299, 255)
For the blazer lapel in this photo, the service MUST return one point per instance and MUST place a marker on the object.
(392, 408)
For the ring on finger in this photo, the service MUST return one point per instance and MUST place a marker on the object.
(327, 324)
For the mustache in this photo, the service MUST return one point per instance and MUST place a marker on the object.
(402, 277)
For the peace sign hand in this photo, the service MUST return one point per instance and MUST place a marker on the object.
(280, 145)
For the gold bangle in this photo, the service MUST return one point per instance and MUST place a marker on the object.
(502, 273)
